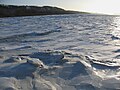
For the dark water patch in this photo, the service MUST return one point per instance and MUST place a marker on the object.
(24, 55)
(117, 51)
(115, 37)
(108, 34)
(117, 57)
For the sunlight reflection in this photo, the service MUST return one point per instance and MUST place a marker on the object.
(116, 31)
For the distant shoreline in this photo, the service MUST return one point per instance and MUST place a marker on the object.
(18, 11)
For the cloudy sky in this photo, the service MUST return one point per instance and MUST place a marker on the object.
(97, 6)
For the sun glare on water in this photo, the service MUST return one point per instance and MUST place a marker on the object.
(116, 30)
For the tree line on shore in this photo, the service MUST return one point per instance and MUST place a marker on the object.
(12, 11)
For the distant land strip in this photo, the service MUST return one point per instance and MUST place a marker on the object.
(16, 11)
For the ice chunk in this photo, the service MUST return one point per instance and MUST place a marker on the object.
(48, 57)
(35, 62)
(13, 59)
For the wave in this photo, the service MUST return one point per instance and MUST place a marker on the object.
(20, 37)
(45, 40)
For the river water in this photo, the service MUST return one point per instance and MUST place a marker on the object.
(96, 38)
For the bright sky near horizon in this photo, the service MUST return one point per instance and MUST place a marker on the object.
(96, 6)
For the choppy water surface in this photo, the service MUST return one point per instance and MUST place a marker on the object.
(92, 40)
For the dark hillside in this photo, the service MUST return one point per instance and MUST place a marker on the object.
(12, 11)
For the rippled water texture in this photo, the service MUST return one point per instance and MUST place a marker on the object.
(95, 38)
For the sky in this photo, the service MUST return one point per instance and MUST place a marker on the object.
(95, 6)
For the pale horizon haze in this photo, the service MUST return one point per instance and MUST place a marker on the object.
(95, 6)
